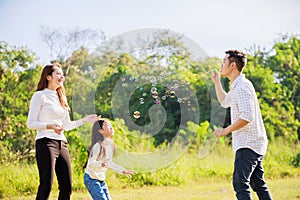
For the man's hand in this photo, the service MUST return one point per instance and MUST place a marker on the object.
(220, 132)
(215, 77)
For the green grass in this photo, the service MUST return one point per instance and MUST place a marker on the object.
(189, 177)
(206, 189)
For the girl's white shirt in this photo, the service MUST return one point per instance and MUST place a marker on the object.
(45, 108)
(94, 167)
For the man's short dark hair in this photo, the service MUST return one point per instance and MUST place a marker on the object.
(238, 57)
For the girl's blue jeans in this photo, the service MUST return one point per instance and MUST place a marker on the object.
(97, 189)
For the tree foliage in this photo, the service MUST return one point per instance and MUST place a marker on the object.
(18, 80)
(92, 77)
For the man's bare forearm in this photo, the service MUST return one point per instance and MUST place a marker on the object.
(220, 91)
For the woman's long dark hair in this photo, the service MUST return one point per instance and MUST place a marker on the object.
(43, 83)
(97, 138)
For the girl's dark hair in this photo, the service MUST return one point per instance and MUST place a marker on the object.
(43, 83)
(238, 57)
(97, 138)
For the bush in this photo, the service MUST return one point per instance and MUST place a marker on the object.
(296, 160)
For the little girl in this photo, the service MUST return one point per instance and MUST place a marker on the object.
(100, 154)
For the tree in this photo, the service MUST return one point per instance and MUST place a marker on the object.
(286, 66)
(18, 80)
(276, 108)
(63, 43)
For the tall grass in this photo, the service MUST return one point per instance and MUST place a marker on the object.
(19, 179)
(282, 160)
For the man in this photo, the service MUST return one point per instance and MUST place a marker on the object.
(249, 139)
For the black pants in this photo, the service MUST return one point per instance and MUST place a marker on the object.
(53, 155)
(249, 171)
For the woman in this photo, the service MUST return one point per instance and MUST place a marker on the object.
(100, 154)
(49, 116)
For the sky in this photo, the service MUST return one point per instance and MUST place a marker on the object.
(215, 25)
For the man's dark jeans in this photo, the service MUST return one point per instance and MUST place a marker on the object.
(248, 171)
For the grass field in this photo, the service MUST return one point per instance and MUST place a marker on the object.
(187, 178)
(207, 189)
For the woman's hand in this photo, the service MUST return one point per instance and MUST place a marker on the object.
(91, 118)
(57, 128)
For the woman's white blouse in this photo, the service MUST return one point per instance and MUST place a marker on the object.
(45, 108)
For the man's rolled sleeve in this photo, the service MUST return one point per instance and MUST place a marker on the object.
(245, 105)
(226, 101)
